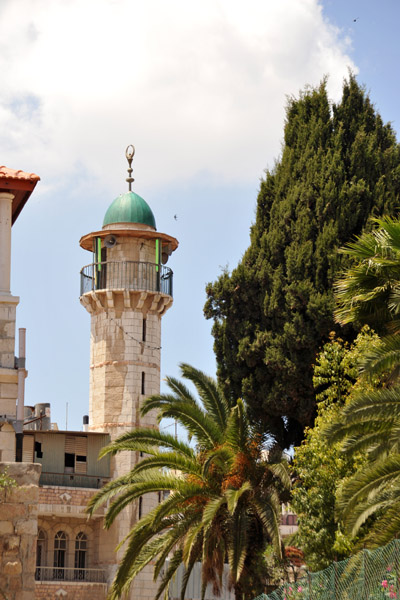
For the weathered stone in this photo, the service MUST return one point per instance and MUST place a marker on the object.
(6, 527)
(27, 546)
(12, 511)
(11, 542)
(12, 568)
(28, 527)
(23, 473)
(23, 494)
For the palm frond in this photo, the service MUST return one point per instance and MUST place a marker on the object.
(211, 510)
(169, 460)
(169, 573)
(221, 457)
(382, 356)
(378, 406)
(269, 514)
(367, 483)
(281, 471)
(238, 430)
(387, 526)
(176, 536)
(194, 420)
(180, 389)
(144, 440)
(375, 444)
(233, 496)
(193, 537)
(207, 388)
(108, 491)
(238, 549)
(188, 570)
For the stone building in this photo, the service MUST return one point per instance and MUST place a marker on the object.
(49, 549)
(126, 288)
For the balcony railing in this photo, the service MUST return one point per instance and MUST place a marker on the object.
(68, 574)
(72, 480)
(127, 275)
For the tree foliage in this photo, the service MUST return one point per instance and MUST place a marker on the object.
(339, 165)
(6, 482)
(369, 291)
(321, 467)
(224, 501)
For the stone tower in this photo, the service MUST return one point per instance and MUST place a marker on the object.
(15, 189)
(126, 289)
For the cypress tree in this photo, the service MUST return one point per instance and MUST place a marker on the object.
(339, 165)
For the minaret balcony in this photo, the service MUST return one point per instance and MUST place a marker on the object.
(126, 275)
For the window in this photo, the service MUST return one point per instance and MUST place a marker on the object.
(60, 555)
(27, 448)
(75, 457)
(40, 554)
(140, 506)
(38, 450)
(80, 556)
(143, 383)
(144, 331)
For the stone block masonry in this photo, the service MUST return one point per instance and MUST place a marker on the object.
(65, 495)
(67, 590)
(18, 531)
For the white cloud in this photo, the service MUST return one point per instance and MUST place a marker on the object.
(198, 87)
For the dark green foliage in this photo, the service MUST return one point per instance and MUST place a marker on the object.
(340, 164)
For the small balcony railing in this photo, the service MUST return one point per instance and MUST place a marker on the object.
(68, 574)
(127, 275)
(72, 480)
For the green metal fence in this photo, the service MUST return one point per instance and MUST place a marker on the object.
(368, 575)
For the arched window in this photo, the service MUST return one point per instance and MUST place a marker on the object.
(40, 554)
(60, 555)
(80, 556)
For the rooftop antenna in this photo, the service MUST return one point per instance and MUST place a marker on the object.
(130, 153)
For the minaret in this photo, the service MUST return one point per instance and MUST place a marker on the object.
(126, 289)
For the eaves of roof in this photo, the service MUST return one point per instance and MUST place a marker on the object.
(20, 184)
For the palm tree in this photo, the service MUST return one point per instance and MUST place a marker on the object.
(370, 423)
(223, 505)
(369, 291)
(369, 426)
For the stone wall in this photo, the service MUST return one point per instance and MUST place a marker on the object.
(67, 591)
(18, 531)
(52, 496)
(8, 375)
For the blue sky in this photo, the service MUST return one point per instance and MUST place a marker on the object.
(200, 90)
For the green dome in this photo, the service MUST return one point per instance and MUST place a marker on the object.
(129, 208)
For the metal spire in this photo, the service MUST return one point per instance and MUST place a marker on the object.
(130, 153)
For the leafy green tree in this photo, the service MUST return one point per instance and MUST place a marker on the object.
(224, 501)
(6, 482)
(369, 292)
(339, 165)
(321, 468)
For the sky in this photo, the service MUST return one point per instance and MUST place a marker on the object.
(200, 89)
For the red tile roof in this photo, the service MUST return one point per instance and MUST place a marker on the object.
(19, 175)
(20, 184)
